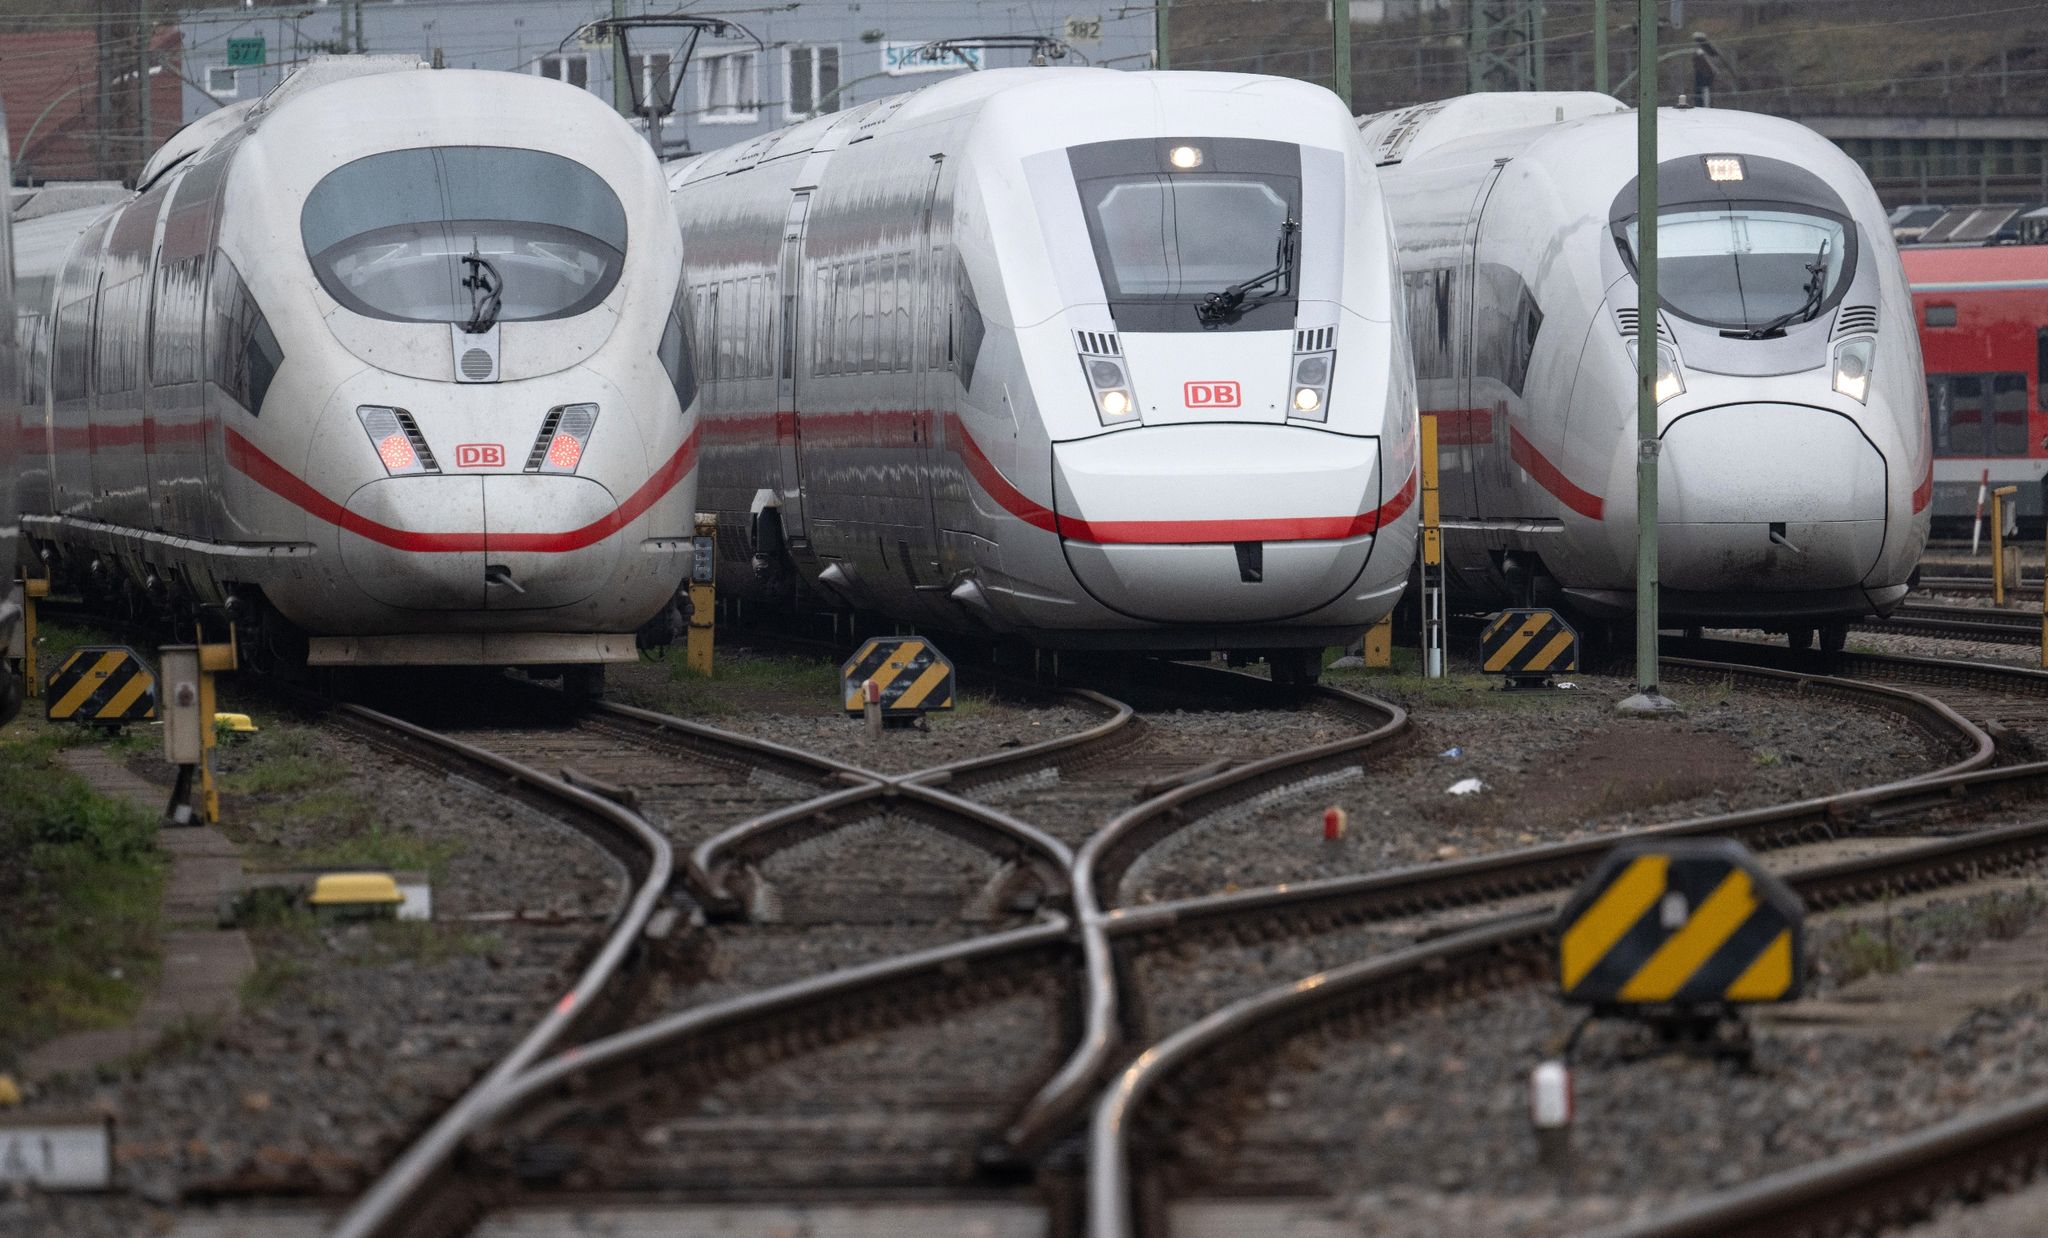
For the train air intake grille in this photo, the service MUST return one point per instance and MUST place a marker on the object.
(418, 441)
(1098, 343)
(540, 445)
(1626, 320)
(1320, 339)
(477, 365)
(1856, 320)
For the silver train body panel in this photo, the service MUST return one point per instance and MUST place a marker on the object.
(11, 412)
(928, 441)
(209, 406)
(1783, 499)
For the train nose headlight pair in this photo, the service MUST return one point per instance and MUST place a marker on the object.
(1853, 359)
(1670, 379)
(1311, 385)
(1115, 400)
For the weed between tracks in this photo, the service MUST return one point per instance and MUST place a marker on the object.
(82, 883)
(1945, 931)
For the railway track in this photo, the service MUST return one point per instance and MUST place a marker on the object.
(532, 1131)
(1996, 625)
(1498, 940)
(559, 1128)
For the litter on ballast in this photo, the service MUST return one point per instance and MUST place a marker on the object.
(1452, 753)
(1467, 786)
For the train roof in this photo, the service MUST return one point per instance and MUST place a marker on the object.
(1396, 135)
(1029, 102)
(1976, 268)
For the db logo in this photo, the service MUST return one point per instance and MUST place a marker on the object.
(1211, 395)
(480, 456)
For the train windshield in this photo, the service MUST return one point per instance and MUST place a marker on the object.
(1161, 237)
(1181, 223)
(1748, 269)
(407, 235)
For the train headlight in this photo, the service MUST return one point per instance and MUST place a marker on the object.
(1312, 385)
(1670, 378)
(1853, 359)
(397, 441)
(1185, 157)
(1115, 399)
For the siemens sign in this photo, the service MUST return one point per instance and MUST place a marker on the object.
(902, 59)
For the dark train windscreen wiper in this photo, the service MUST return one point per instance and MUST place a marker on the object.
(486, 293)
(1816, 292)
(1225, 306)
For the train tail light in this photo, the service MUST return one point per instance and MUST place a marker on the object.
(563, 437)
(1116, 401)
(1853, 359)
(397, 441)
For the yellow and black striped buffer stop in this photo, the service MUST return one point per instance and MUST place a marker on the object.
(1682, 922)
(1528, 642)
(913, 675)
(101, 684)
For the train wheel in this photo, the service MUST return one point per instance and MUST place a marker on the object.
(583, 683)
(1295, 666)
(1799, 638)
(1834, 637)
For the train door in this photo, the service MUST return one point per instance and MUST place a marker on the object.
(1486, 413)
(933, 383)
(788, 422)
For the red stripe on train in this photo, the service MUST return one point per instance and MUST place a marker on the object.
(248, 459)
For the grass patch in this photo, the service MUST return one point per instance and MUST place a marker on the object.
(82, 884)
(760, 678)
(279, 760)
(423, 941)
(1947, 930)
(378, 847)
(1766, 759)
(273, 977)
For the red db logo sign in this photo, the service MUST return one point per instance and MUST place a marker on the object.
(480, 456)
(1211, 395)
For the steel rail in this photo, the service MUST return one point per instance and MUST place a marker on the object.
(977, 824)
(1098, 870)
(383, 1210)
(1507, 947)
(1950, 672)
(419, 1162)
(1893, 1183)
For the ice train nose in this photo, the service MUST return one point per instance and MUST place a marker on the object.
(479, 542)
(1224, 523)
(1768, 496)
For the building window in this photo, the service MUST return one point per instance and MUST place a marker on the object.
(813, 81)
(223, 83)
(728, 95)
(573, 69)
(652, 74)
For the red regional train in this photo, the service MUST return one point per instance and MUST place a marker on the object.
(1983, 315)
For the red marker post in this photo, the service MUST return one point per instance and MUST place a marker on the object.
(871, 706)
(1334, 821)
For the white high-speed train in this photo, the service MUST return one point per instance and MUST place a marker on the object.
(1795, 470)
(1095, 359)
(11, 687)
(391, 359)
